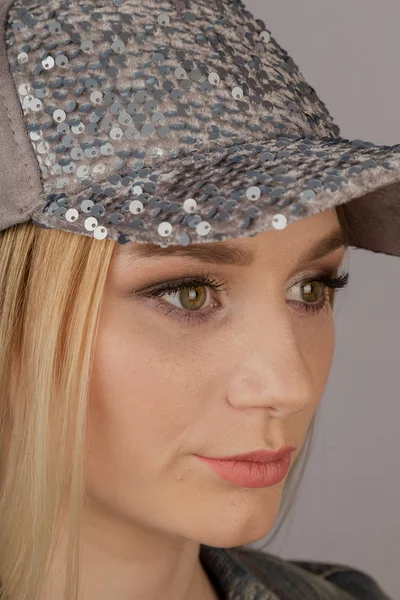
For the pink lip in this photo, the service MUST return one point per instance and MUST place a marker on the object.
(262, 468)
(260, 456)
(248, 473)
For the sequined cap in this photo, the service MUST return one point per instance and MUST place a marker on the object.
(174, 122)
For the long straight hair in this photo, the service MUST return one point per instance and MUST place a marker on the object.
(51, 290)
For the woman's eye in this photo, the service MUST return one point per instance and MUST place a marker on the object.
(191, 299)
(196, 298)
(191, 294)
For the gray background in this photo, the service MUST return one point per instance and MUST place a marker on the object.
(348, 506)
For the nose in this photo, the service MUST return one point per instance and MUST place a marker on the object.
(269, 370)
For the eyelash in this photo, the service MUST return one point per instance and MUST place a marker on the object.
(327, 278)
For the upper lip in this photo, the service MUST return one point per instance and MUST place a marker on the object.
(259, 455)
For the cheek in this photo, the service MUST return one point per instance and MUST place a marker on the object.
(139, 410)
(318, 345)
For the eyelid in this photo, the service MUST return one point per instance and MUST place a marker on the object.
(329, 265)
(331, 271)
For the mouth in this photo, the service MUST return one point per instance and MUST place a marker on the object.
(250, 473)
(259, 456)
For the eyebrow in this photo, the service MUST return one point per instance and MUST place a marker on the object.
(222, 253)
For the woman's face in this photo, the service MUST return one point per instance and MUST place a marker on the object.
(246, 374)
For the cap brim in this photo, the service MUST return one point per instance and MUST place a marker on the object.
(242, 190)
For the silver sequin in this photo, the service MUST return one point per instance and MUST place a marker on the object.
(136, 207)
(163, 19)
(214, 78)
(189, 205)
(237, 92)
(279, 222)
(253, 193)
(307, 195)
(48, 63)
(203, 228)
(164, 229)
(180, 73)
(265, 36)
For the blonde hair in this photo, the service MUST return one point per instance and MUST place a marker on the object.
(51, 289)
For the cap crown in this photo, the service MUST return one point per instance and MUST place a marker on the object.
(111, 85)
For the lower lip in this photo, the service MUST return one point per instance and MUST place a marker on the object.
(250, 474)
